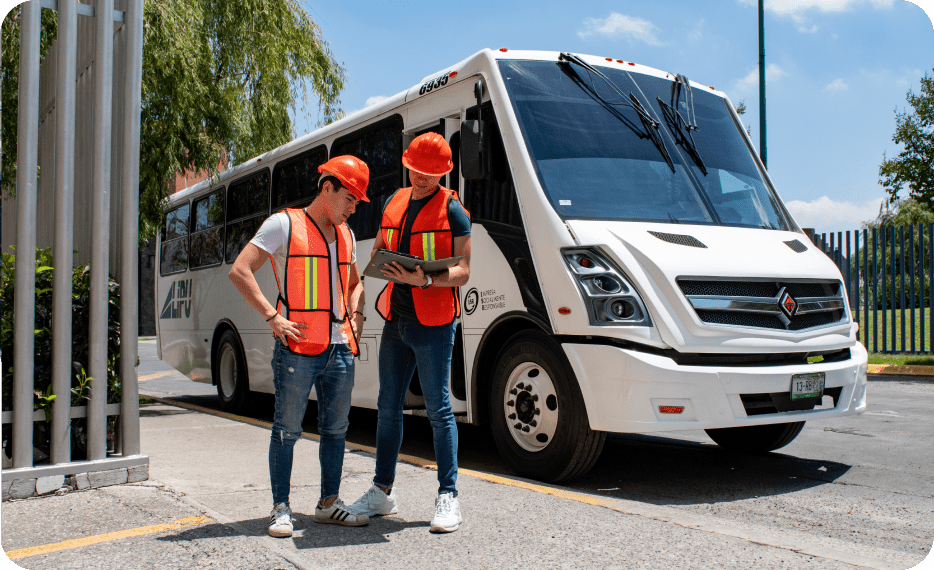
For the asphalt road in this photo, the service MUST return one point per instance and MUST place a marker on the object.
(861, 482)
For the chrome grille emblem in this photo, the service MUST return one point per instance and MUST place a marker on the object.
(787, 302)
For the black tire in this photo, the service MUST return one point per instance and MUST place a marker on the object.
(230, 374)
(554, 441)
(756, 439)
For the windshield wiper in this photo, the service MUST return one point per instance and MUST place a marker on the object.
(648, 123)
(676, 123)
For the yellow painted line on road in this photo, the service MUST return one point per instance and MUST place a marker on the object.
(901, 370)
(96, 539)
(156, 375)
(544, 489)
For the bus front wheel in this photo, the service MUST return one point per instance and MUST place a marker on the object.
(230, 373)
(756, 439)
(538, 416)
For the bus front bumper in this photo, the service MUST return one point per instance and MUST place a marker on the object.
(626, 391)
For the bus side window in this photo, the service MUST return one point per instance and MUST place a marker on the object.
(380, 147)
(247, 209)
(207, 232)
(295, 180)
(174, 255)
(494, 197)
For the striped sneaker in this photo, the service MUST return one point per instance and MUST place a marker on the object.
(280, 521)
(338, 513)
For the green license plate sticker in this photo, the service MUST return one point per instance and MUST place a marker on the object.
(807, 386)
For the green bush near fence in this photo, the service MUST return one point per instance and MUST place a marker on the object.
(80, 337)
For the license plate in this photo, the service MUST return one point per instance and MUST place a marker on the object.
(807, 386)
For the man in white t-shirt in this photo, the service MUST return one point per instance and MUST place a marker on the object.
(317, 322)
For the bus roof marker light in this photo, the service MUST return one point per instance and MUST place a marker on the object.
(452, 74)
(504, 50)
(671, 409)
(564, 310)
(609, 59)
(631, 63)
(620, 61)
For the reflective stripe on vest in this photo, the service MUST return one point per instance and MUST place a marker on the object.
(307, 291)
(430, 239)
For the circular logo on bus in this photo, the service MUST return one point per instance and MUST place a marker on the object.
(471, 300)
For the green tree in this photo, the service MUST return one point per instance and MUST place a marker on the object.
(914, 165)
(220, 80)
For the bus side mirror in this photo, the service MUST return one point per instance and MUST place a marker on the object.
(475, 155)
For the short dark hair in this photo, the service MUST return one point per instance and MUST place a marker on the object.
(337, 183)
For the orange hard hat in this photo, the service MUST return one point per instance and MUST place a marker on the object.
(428, 154)
(352, 173)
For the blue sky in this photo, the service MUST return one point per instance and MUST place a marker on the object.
(837, 69)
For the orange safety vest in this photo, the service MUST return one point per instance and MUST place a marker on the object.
(430, 239)
(308, 283)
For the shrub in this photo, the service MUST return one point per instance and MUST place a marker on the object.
(80, 331)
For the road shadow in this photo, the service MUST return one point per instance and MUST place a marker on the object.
(668, 471)
(645, 468)
(308, 534)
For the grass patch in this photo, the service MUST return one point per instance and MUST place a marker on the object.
(144, 400)
(892, 321)
(901, 359)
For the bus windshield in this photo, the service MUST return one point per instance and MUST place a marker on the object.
(596, 156)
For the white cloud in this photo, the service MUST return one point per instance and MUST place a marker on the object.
(698, 33)
(751, 82)
(374, 100)
(621, 25)
(795, 8)
(805, 30)
(826, 215)
(837, 85)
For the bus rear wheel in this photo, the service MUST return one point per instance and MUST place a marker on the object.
(229, 372)
(537, 412)
(756, 439)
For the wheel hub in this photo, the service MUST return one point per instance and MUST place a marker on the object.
(531, 424)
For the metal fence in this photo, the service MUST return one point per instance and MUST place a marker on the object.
(89, 201)
(889, 277)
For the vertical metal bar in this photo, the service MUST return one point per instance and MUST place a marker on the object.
(901, 293)
(893, 293)
(867, 275)
(100, 242)
(931, 283)
(846, 275)
(856, 297)
(911, 283)
(129, 263)
(64, 228)
(921, 293)
(884, 238)
(762, 149)
(24, 305)
(875, 291)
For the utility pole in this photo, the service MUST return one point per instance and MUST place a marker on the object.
(762, 152)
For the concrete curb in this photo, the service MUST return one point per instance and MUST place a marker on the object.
(901, 370)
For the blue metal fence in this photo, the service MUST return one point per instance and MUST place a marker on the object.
(889, 276)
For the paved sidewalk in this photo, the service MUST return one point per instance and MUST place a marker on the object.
(208, 498)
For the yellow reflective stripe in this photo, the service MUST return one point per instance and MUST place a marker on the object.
(314, 292)
(389, 238)
(308, 262)
(428, 246)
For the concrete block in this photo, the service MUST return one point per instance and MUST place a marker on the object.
(6, 490)
(82, 482)
(49, 484)
(23, 489)
(138, 473)
(107, 478)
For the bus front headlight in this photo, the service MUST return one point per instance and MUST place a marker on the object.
(610, 298)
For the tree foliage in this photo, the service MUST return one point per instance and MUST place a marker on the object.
(220, 80)
(914, 165)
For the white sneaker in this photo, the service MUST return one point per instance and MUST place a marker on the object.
(376, 502)
(280, 521)
(447, 513)
(338, 513)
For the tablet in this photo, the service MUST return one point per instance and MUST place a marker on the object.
(410, 262)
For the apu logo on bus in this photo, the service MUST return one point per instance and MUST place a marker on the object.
(177, 301)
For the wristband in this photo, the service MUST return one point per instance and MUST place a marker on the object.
(272, 317)
(428, 284)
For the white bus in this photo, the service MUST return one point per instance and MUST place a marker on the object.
(633, 268)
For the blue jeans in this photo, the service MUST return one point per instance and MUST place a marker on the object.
(331, 373)
(406, 343)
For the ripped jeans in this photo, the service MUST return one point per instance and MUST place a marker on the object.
(294, 375)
